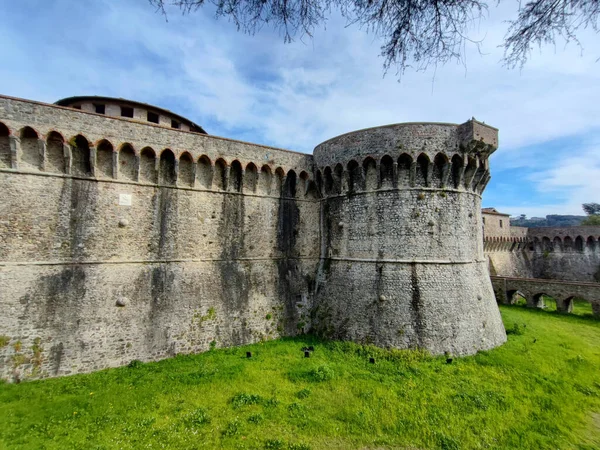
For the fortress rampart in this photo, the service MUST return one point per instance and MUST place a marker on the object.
(558, 253)
(125, 240)
(201, 240)
(402, 250)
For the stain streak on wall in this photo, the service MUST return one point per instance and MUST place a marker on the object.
(177, 242)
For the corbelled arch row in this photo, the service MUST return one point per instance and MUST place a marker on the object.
(504, 243)
(568, 244)
(28, 150)
(459, 171)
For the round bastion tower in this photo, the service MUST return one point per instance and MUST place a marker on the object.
(402, 261)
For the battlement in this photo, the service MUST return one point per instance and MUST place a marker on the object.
(408, 155)
(47, 140)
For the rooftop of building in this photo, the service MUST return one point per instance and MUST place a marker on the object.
(493, 211)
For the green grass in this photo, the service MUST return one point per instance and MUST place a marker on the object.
(541, 390)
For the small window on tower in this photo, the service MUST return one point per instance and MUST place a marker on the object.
(77, 106)
(126, 111)
(100, 108)
(500, 224)
(484, 220)
(152, 117)
(174, 124)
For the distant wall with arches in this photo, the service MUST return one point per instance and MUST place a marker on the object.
(567, 253)
(559, 253)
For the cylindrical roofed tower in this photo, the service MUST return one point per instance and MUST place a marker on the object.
(402, 250)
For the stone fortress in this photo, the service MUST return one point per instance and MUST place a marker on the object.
(127, 233)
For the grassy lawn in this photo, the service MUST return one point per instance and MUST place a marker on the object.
(541, 390)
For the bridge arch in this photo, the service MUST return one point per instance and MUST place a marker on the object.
(537, 300)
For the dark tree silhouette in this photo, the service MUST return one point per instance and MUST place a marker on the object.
(591, 208)
(415, 33)
(593, 212)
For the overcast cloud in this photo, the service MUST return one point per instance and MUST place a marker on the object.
(257, 88)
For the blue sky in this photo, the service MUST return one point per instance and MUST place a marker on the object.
(258, 89)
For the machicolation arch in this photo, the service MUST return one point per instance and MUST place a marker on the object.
(105, 161)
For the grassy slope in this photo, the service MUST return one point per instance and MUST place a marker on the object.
(525, 394)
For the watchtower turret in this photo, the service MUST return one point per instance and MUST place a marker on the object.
(402, 252)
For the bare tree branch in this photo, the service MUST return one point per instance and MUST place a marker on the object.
(543, 22)
(415, 33)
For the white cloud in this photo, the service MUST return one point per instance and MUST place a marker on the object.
(296, 95)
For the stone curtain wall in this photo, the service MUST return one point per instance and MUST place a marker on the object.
(125, 241)
(559, 253)
(403, 261)
(508, 256)
(567, 253)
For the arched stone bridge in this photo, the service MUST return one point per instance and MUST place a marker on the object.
(532, 289)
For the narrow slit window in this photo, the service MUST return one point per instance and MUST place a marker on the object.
(152, 117)
(500, 224)
(100, 108)
(126, 111)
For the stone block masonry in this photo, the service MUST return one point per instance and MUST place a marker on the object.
(122, 240)
(558, 253)
(402, 250)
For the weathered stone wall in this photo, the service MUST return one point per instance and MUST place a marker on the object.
(403, 258)
(565, 253)
(124, 240)
(559, 253)
(98, 270)
(510, 263)
(518, 232)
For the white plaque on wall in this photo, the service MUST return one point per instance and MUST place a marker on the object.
(124, 199)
